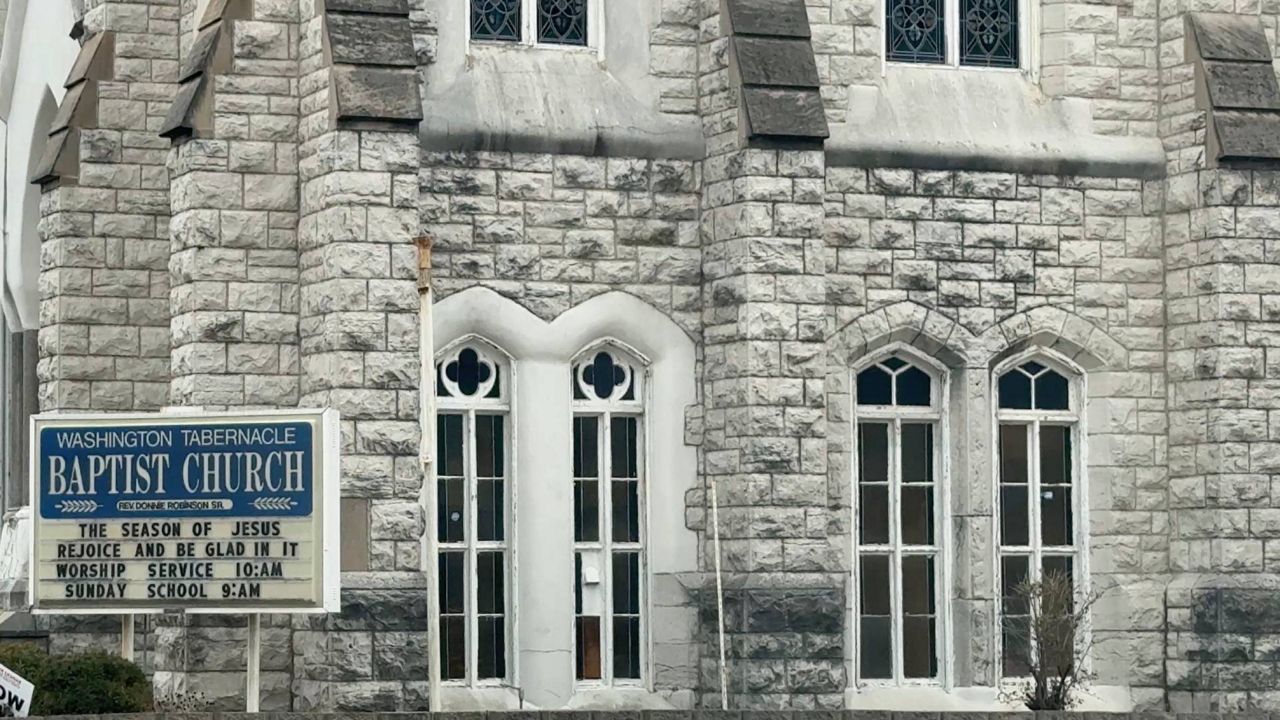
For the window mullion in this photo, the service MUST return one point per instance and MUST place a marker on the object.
(895, 541)
(471, 571)
(1037, 542)
(606, 543)
(529, 20)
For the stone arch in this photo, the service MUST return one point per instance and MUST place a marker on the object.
(1050, 326)
(906, 322)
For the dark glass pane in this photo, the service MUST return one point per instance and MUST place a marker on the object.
(1013, 573)
(1013, 454)
(1058, 564)
(441, 390)
(1033, 368)
(1016, 645)
(586, 446)
(874, 387)
(490, 585)
(495, 20)
(452, 580)
(626, 583)
(894, 363)
(451, 500)
(588, 651)
(873, 514)
(449, 449)
(919, 647)
(1014, 522)
(915, 31)
(873, 452)
(586, 511)
(492, 640)
(1052, 392)
(468, 372)
(453, 647)
(1015, 391)
(602, 375)
(1055, 516)
(917, 585)
(624, 446)
(626, 647)
(625, 508)
(490, 511)
(562, 21)
(989, 33)
(874, 582)
(1055, 455)
(917, 453)
(490, 446)
(914, 388)
(876, 656)
(917, 515)
(577, 583)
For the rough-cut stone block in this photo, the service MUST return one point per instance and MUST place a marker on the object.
(372, 7)
(787, 18)
(1247, 135)
(785, 113)
(1248, 86)
(377, 93)
(1230, 37)
(370, 40)
(774, 61)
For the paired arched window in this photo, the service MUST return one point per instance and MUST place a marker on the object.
(899, 504)
(608, 536)
(899, 529)
(473, 391)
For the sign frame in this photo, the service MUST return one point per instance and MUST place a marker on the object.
(326, 494)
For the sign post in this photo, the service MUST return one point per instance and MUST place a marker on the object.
(197, 512)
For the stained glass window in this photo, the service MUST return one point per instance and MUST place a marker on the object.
(915, 31)
(989, 33)
(562, 22)
(495, 20)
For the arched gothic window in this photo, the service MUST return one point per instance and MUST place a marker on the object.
(898, 530)
(473, 524)
(608, 515)
(1038, 414)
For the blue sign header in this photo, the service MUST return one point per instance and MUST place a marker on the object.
(192, 470)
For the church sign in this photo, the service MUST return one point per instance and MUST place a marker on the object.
(209, 512)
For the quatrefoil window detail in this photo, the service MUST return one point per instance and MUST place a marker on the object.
(468, 373)
(602, 377)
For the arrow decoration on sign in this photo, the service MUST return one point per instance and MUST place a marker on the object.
(277, 503)
(78, 506)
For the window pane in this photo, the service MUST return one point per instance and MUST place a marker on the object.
(1013, 573)
(626, 647)
(490, 446)
(586, 491)
(1014, 510)
(586, 511)
(874, 585)
(490, 587)
(452, 579)
(626, 583)
(874, 387)
(625, 511)
(453, 647)
(562, 21)
(873, 452)
(919, 647)
(917, 515)
(451, 510)
(917, 453)
(588, 641)
(586, 459)
(873, 514)
(915, 388)
(989, 33)
(1055, 455)
(1052, 392)
(490, 510)
(492, 639)
(917, 585)
(915, 31)
(1014, 523)
(449, 448)
(495, 20)
(1015, 625)
(1055, 516)
(624, 444)
(1013, 454)
(1015, 391)
(1056, 564)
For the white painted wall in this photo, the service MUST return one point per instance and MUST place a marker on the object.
(37, 56)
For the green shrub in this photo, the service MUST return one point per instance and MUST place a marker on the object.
(85, 683)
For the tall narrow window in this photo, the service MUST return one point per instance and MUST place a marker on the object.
(532, 22)
(1038, 435)
(898, 522)
(608, 521)
(472, 518)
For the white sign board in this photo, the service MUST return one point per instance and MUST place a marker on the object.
(207, 512)
(15, 693)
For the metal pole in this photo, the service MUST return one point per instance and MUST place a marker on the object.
(252, 680)
(126, 637)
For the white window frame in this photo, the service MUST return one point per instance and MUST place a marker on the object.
(938, 414)
(1028, 41)
(606, 410)
(529, 30)
(468, 408)
(1074, 418)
